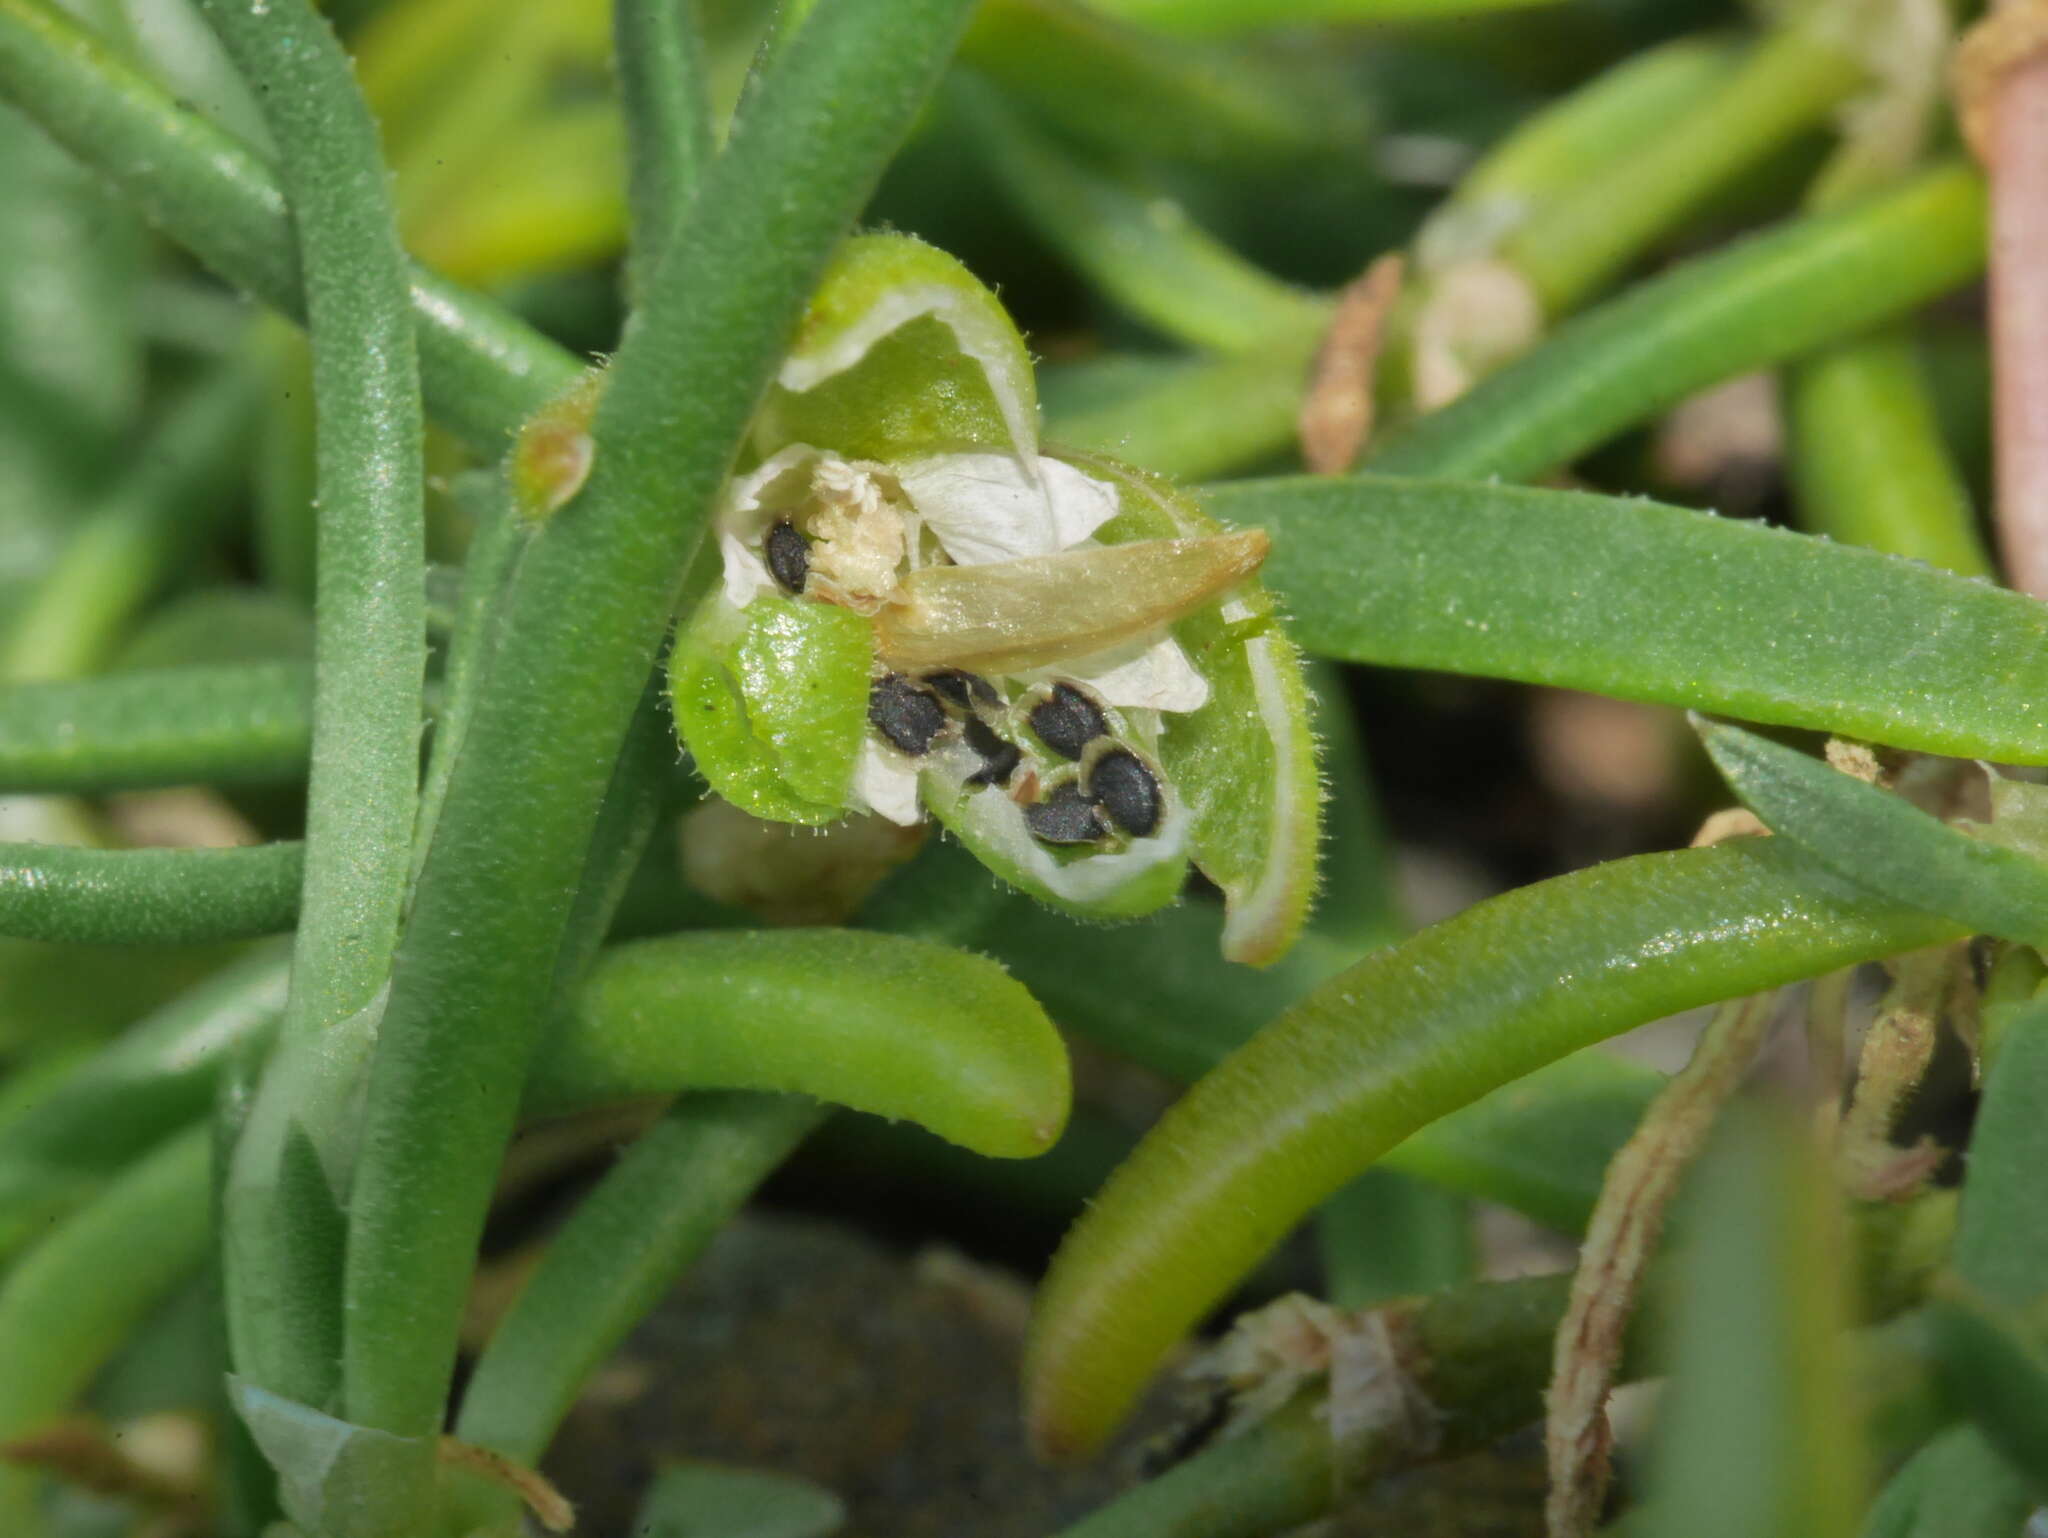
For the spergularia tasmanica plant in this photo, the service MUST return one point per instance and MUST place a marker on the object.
(919, 610)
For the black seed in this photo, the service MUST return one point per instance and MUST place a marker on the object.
(789, 555)
(1127, 791)
(962, 689)
(1065, 817)
(1067, 720)
(908, 716)
(999, 759)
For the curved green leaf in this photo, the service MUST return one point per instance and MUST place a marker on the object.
(1411, 1033)
(1642, 601)
(1882, 841)
(148, 896)
(880, 1023)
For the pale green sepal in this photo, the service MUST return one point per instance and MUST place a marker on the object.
(903, 352)
(1142, 877)
(334, 1478)
(1245, 763)
(771, 702)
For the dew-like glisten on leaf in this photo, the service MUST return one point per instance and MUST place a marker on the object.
(1409, 1034)
(1641, 601)
(1883, 841)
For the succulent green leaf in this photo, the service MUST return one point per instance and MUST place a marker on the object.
(1406, 1036)
(1753, 1439)
(1882, 841)
(771, 701)
(884, 1024)
(1625, 597)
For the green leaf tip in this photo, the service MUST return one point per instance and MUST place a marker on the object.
(1881, 841)
(1066, 662)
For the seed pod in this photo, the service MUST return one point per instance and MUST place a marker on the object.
(1014, 615)
(1067, 720)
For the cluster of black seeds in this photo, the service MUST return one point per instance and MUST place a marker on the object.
(1115, 791)
(914, 713)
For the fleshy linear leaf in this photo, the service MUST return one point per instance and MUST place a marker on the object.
(1409, 1034)
(1882, 841)
(885, 1024)
(1641, 601)
(1754, 1438)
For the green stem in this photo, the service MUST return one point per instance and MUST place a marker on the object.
(485, 370)
(584, 618)
(148, 896)
(1564, 146)
(369, 637)
(1786, 87)
(494, 550)
(1138, 245)
(237, 724)
(1868, 458)
(67, 1306)
(156, 515)
(1762, 301)
(667, 98)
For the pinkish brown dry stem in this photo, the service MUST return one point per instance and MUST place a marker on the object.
(2016, 120)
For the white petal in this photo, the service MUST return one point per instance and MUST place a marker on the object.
(886, 783)
(990, 507)
(745, 516)
(1142, 676)
(971, 328)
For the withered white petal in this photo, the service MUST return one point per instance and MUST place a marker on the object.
(987, 507)
(749, 507)
(969, 321)
(885, 783)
